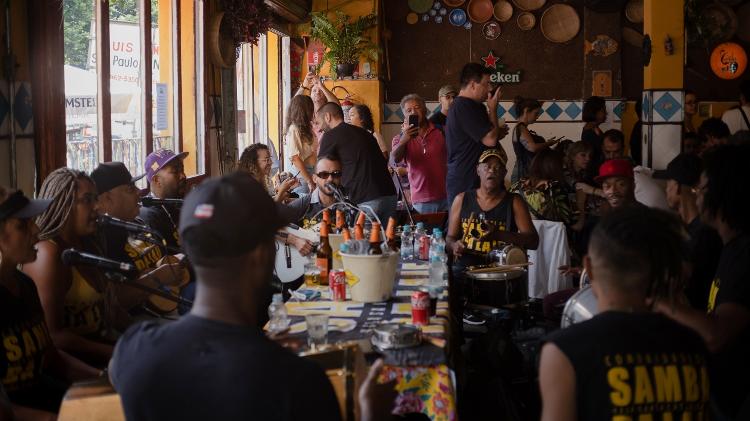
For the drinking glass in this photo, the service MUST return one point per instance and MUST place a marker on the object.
(317, 329)
(312, 273)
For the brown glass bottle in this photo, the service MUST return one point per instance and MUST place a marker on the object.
(324, 256)
(340, 221)
(327, 219)
(375, 240)
(390, 234)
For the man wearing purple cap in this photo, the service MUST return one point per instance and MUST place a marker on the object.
(166, 178)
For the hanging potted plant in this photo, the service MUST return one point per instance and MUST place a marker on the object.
(345, 41)
(239, 22)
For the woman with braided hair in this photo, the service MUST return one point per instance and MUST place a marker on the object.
(73, 297)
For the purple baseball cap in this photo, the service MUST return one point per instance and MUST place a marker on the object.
(156, 160)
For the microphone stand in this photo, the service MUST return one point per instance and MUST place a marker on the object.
(400, 187)
(121, 279)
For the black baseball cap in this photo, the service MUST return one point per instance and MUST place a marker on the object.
(19, 206)
(684, 168)
(225, 217)
(109, 175)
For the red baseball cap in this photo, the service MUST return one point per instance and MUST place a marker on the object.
(615, 168)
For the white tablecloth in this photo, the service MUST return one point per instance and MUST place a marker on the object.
(553, 252)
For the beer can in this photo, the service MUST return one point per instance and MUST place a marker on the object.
(433, 294)
(337, 284)
(424, 247)
(420, 308)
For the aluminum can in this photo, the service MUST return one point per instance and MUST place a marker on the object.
(420, 308)
(337, 284)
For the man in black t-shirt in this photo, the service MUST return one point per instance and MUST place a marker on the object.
(704, 246)
(723, 199)
(365, 170)
(472, 129)
(165, 173)
(215, 363)
(627, 362)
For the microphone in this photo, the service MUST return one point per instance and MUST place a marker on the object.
(149, 201)
(126, 225)
(338, 194)
(74, 257)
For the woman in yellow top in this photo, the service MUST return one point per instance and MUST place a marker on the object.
(73, 298)
(301, 143)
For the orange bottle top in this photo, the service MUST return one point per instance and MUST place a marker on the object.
(327, 217)
(375, 233)
(361, 219)
(359, 232)
(340, 220)
(390, 232)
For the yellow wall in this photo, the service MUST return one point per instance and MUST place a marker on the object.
(274, 80)
(188, 87)
(664, 18)
(368, 92)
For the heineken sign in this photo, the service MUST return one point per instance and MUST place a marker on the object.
(500, 75)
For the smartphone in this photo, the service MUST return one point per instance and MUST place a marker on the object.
(493, 88)
(413, 120)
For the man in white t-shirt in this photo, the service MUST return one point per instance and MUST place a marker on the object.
(734, 118)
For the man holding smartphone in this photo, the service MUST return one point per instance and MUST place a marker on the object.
(422, 146)
(472, 128)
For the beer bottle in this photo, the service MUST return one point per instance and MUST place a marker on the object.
(361, 219)
(347, 234)
(327, 218)
(324, 256)
(390, 234)
(375, 241)
(340, 221)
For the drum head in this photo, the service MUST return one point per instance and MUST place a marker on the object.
(580, 307)
(515, 256)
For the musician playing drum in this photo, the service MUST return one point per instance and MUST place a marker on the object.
(484, 219)
(489, 217)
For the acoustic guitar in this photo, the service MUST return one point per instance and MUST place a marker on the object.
(181, 275)
(290, 264)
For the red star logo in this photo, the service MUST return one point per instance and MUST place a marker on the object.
(490, 60)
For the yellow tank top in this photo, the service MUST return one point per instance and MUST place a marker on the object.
(83, 306)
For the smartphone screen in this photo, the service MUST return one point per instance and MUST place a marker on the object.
(413, 120)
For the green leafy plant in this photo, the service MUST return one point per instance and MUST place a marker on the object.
(344, 40)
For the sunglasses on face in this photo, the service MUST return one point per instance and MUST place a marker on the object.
(325, 174)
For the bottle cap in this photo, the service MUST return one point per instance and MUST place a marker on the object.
(375, 233)
(277, 298)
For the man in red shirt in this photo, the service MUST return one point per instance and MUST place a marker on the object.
(423, 149)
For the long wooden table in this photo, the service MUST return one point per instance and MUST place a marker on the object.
(424, 380)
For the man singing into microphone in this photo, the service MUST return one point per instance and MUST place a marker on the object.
(165, 173)
(303, 211)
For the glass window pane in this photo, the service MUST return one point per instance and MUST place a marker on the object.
(163, 76)
(79, 29)
(125, 85)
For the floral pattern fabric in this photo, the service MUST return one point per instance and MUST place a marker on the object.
(427, 390)
(548, 201)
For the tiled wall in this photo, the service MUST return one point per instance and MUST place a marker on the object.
(558, 118)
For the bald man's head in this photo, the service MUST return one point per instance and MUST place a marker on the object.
(329, 116)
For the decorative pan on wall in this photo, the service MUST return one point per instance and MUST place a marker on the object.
(723, 21)
(420, 6)
(457, 17)
(491, 30)
(480, 11)
(560, 23)
(526, 21)
(503, 11)
(529, 5)
(634, 11)
(454, 3)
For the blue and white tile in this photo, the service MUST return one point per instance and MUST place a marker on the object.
(23, 112)
(646, 103)
(667, 107)
(614, 110)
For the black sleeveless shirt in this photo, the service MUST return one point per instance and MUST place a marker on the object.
(631, 364)
(500, 218)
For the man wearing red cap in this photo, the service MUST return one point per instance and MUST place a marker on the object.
(617, 180)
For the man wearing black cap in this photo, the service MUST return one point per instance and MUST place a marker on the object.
(215, 363)
(704, 247)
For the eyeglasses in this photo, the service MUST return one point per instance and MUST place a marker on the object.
(699, 189)
(325, 174)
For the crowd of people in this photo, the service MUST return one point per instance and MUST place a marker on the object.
(670, 275)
